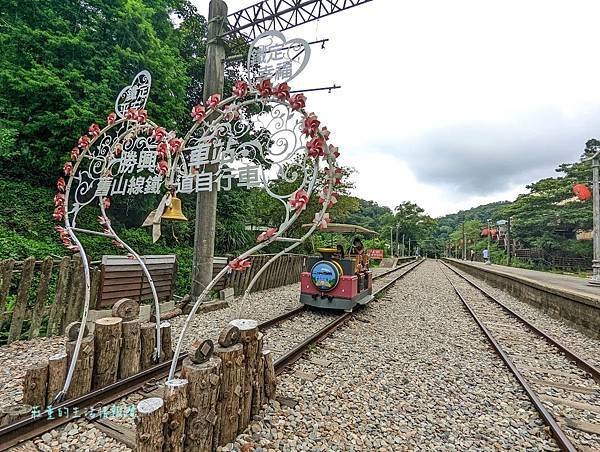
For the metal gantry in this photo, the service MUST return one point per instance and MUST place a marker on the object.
(283, 14)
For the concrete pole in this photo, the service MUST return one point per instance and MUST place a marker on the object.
(402, 245)
(489, 247)
(464, 247)
(206, 201)
(595, 280)
(509, 259)
(391, 242)
(409, 246)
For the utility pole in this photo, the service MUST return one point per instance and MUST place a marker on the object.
(464, 247)
(206, 201)
(391, 242)
(595, 280)
(489, 225)
(509, 260)
(397, 242)
(409, 247)
(402, 245)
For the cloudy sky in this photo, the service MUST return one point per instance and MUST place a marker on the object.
(451, 104)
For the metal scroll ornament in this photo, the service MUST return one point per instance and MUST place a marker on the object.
(258, 134)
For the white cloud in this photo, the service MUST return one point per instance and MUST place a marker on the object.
(409, 70)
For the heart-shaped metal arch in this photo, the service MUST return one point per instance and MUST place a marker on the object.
(285, 45)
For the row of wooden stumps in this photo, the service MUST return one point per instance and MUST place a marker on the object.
(219, 391)
(121, 346)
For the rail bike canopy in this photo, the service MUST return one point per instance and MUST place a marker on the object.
(342, 228)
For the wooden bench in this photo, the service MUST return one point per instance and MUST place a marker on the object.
(121, 277)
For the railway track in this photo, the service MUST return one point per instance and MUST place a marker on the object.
(551, 374)
(30, 427)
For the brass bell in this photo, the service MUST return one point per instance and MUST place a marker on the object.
(173, 212)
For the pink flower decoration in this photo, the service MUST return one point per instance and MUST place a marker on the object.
(60, 184)
(266, 235)
(300, 200)
(131, 113)
(106, 203)
(74, 153)
(214, 100)
(59, 199)
(162, 150)
(337, 174)
(264, 88)
(298, 102)
(94, 130)
(175, 145)
(333, 151)
(83, 142)
(141, 116)
(73, 248)
(162, 168)
(332, 199)
(315, 147)
(159, 134)
(325, 133)
(118, 149)
(231, 112)
(240, 265)
(311, 125)
(240, 89)
(198, 113)
(64, 235)
(282, 91)
(111, 118)
(322, 222)
(59, 213)
(68, 168)
(117, 244)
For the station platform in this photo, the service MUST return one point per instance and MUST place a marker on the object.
(563, 296)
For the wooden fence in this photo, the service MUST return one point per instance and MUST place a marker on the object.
(39, 298)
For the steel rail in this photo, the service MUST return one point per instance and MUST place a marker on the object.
(558, 434)
(30, 427)
(296, 353)
(581, 362)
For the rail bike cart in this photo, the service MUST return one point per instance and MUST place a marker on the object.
(337, 278)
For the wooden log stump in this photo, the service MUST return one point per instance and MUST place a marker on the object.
(127, 309)
(166, 347)
(107, 343)
(150, 418)
(258, 383)
(228, 404)
(202, 393)
(13, 413)
(35, 384)
(57, 372)
(148, 344)
(81, 383)
(270, 378)
(176, 407)
(129, 357)
(249, 340)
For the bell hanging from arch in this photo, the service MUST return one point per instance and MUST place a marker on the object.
(173, 212)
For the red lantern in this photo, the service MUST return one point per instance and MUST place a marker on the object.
(485, 232)
(582, 192)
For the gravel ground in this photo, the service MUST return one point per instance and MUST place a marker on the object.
(568, 335)
(410, 372)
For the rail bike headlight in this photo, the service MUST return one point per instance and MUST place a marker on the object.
(325, 275)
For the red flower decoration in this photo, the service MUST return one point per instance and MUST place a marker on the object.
(131, 113)
(175, 145)
(325, 133)
(265, 88)
(198, 113)
(240, 89)
(111, 118)
(106, 203)
(162, 168)
(118, 149)
(118, 244)
(59, 199)
(337, 174)
(300, 200)
(83, 142)
(59, 213)
(68, 168)
(60, 184)
(311, 125)
(162, 150)
(322, 222)
(94, 130)
(282, 91)
(332, 199)
(333, 151)
(231, 112)
(74, 154)
(240, 264)
(298, 101)
(141, 116)
(64, 234)
(316, 147)
(214, 100)
(266, 235)
(582, 192)
(159, 134)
